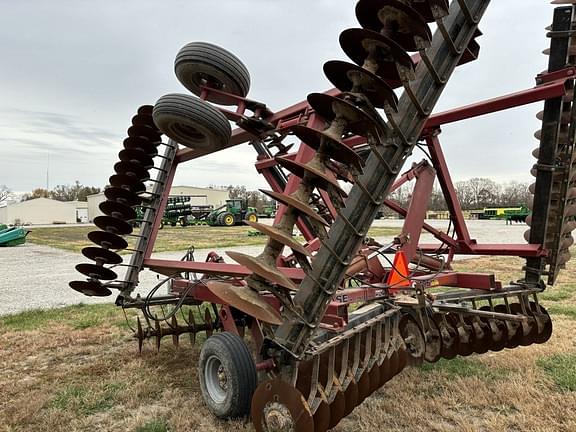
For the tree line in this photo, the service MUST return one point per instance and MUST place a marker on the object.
(475, 193)
(75, 192)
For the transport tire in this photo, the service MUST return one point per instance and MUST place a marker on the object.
(227, 375)
(192, 122)
(204, 64)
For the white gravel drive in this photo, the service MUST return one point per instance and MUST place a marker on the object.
(33, 276)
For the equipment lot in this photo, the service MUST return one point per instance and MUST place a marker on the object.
(35, 276)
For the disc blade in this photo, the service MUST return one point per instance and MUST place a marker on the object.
(96, 271)
(107, 240)
(296, 204)
(261, 269)
(279, 236)
(330, 107)
(247, 300)
(123, 196)
(359, 44)
(103, 256)
(292, 410)
(317, 178)
(395, 19)
(132, 169)
(336, 149)
(145, 132)
(127, 182)
(346, 76)
(136, 156)
(118, 210)
(112, 225)
(90, 288)
(142, 144)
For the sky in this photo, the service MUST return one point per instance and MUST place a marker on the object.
(74, 72)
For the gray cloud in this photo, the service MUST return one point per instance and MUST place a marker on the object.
(74, 73)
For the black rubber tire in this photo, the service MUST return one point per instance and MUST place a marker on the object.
(230, 351)
(202, 63)
(192, 122)
(251, 215)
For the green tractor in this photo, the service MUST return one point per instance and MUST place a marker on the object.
(234, 212)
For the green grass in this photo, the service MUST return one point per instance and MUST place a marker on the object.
(78, 317)
(169, 239)
(558, 293)
(464, 368)
(87, 401)
(561, 309)
(156, 425)
(561, 368)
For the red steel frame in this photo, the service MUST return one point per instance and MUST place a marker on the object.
(548, 86)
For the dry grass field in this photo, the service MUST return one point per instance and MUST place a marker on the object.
(78, 369)
(169, 238)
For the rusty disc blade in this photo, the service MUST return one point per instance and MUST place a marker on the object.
(374, 378)
(385, 374)
(322, 417)
(330, 107)
(358, 44)
(245, 299)
(413, 338)
(337, 408)
(127, 182)
(142, 144)
(337, 150)
(264, 271)
(280, 400)
(449, 336)
(433, 342)
(351, 396)
(528, 339)
(107, 240)
(103, 256)
(145, 109)
(466, 339)
(431, 9)
(513, 332)
(132, 169)
(123, 196)
(90, 288)
(363, 386)
(279, 236)
(396, 19)
(394, 364)
(113, 225)
(499, 333)
(345, 76)
(119, 210)
(136, 156)
(482, 335)
(96, 271)
(296, 204)
(546, 331)
(318, 178)
(147, 132)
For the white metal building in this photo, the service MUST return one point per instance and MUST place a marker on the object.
(198, 196)
(40, 211)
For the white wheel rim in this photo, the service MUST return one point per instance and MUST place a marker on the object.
(216, 379)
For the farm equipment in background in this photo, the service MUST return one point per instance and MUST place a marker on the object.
(12, 236)
(333, 319)
(180, 210)
(234, 212)
(268, 211)
(509, 214)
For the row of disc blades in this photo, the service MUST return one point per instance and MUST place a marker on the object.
(353, 379)
(561, 218)
(123, 198)
(465, 335)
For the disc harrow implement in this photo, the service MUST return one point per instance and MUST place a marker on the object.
(301, 334)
